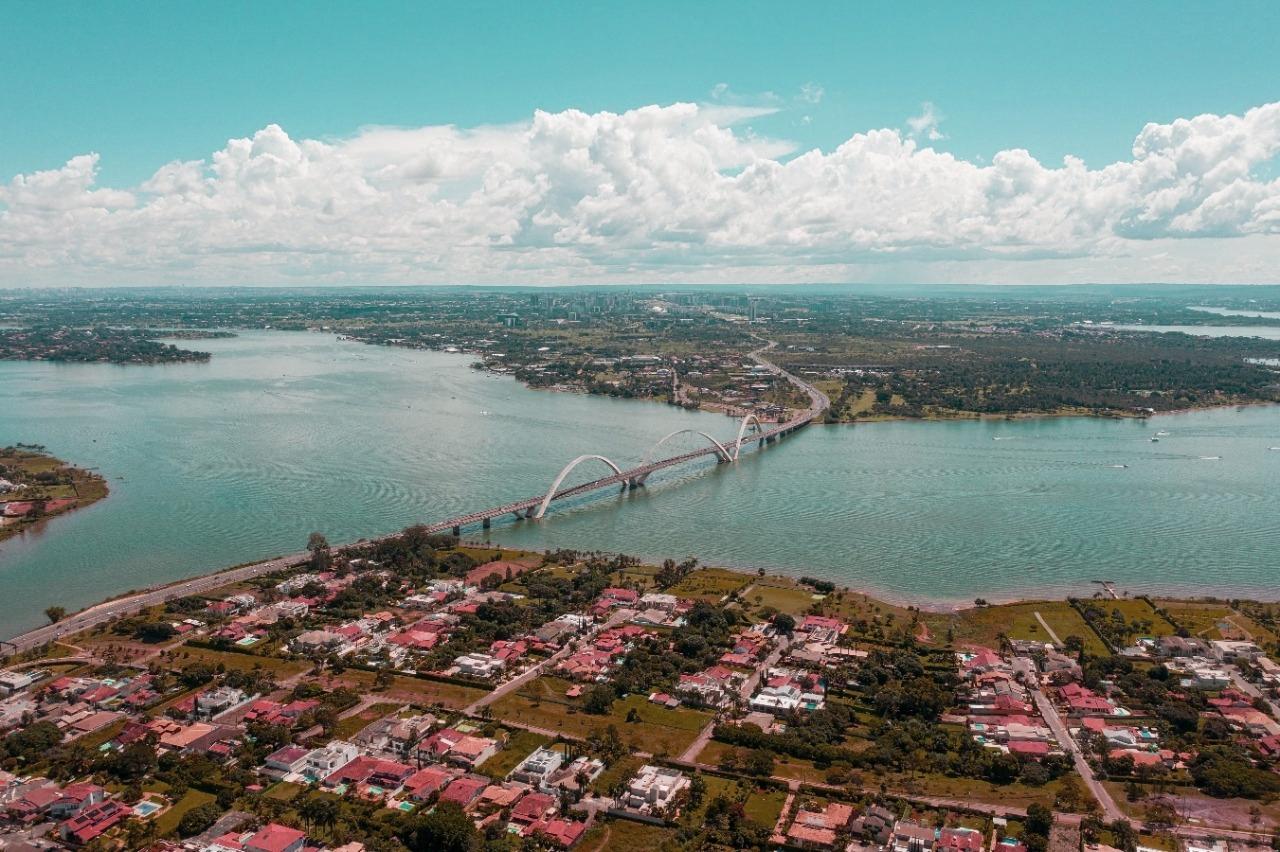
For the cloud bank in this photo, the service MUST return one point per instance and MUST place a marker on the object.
(681, 193)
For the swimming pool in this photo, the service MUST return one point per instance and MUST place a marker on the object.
(146, 808)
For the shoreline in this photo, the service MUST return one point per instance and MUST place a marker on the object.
(34, 459)
(134, 600)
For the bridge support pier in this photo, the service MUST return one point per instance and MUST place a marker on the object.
(457, 531)
(486, 523)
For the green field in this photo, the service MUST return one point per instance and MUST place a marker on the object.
(640, 576)
(984, 625)
(284, 791)
(770, 594)
(186, 655)
(620, 835)
(349, 726)
(1138, 609)
(659, 730)
(971, 789)
(167, 822)
(415, 690)
(519, 746)
(710, 584)
(765, 806)
(784, 766)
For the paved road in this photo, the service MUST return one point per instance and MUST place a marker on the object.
(1252, 691)
(532, 672)
(1110, 810)
(101, 613)
(746, 690)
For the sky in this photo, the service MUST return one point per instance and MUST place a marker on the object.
(249, 143)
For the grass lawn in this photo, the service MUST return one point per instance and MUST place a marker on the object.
(784, 766)
(167, 822)
(1203, 619)
(659, 730)
(791, 599)
(765, 806)
(617, 772)
(285, 791)
(521, 745)
(710, 584)
(414, 690)
(716, 786)
(620, 835)
(351, 725)
(1136, 608)
(491, 554)
(983, 625)
(640, 576)
(944, 786)
(186, 655)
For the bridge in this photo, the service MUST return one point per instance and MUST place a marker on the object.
(751, 430)
(130, 604)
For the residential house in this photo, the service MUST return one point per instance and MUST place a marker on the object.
(535, 769)
(654, 788)
(911, 837)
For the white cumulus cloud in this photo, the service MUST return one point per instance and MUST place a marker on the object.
(925, 125)
(682, 192)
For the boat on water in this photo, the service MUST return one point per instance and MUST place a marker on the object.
(1119, 466)
(1154, 439)
(1162, 434)
(1211, 458)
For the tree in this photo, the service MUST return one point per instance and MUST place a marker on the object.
(1069, 792)
(198, 819)
(1124, 836)
(1039, 819)
(759, 762)
(598, 699)
(446, 829)
(55, 614)
(697, 790)
(319, 811)
(318, 545)
(784, 624)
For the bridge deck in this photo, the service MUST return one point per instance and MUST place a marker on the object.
(630, 475)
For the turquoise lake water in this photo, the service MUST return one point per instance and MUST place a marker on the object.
(281, 434)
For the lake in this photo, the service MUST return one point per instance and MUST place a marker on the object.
(1266, 332)
(1232, 312)
(285, 433)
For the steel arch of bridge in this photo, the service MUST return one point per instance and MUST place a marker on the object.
(565, 471)
(742, 430)
(721, 450)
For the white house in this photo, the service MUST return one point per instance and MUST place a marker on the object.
(653, 788)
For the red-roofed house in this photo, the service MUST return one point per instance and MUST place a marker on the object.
(532, 808)
(464, 790)
(961, 839)
(563, 833)
(94, 821)
(425, 783)
(274, 837)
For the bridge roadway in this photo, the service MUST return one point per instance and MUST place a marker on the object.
(818, 403)
(626, 479)
(134, 602)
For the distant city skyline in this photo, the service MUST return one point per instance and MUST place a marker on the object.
(512, 144)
